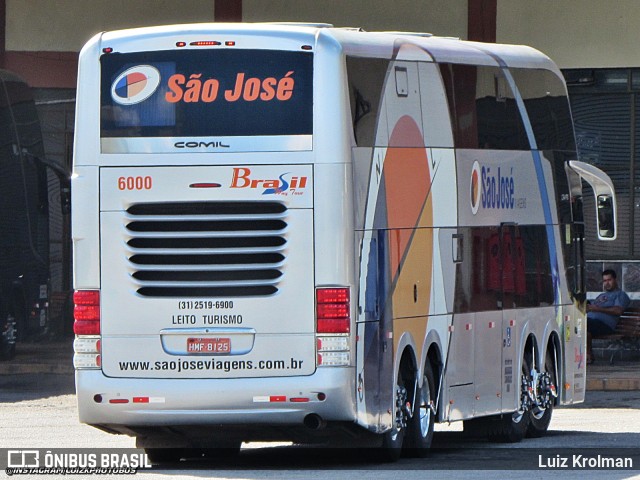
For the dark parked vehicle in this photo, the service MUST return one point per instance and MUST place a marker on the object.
(24, 217)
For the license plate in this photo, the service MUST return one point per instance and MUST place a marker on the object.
(208, 345)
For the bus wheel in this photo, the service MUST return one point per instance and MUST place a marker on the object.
(420, 425)
(393, 439)
(508, 428)
(540, 413)
(512, 427)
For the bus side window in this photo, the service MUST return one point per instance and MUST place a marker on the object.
(366, 79)
(545, 99)
(506, 267)
(537, 267)
(484, 113)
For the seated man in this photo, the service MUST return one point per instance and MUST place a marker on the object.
(605, 310)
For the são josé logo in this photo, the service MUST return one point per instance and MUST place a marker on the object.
(491, 189)
(475, 187)
(135, 84)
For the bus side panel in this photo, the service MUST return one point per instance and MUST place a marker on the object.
(84, 227)
(398, 201)
(488, 283)
(407, 179)
(407, 192)
(374, 346)
(567, 321)
(573, 338)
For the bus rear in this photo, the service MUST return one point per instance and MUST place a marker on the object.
(211, 285)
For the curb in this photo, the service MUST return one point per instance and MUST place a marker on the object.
(40, 357)
(30, 368)
(613, 384)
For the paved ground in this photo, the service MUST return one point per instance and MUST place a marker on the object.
(39, 412)
(37, 402)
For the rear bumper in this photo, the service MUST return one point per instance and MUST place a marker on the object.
(130, 402)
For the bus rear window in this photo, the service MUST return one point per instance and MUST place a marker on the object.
(206, 93)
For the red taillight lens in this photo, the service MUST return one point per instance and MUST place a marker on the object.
(334, 325)
(86, 297)
(333, 310)
(332, 295)
(86, 312)
(84, 327)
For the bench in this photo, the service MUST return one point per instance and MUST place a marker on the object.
(626, 334)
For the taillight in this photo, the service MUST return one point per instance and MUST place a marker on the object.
(86, 297)
(332, 295)
(333, 310)
(86, 312)
(333, 314)
(86, 326)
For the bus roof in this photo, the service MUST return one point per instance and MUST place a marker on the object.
(446, 49)
(354, 41)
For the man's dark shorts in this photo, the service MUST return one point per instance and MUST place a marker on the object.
(596, 327)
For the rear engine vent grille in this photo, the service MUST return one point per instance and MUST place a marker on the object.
(206, 249)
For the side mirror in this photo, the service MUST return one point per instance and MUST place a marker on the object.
(605, 197)
(606, 224)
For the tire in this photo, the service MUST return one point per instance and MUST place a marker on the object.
(539, 420)
(512, 427)
(508, 428)
(393, 439)
(420, 426)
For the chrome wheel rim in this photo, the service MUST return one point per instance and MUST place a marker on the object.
(425, 408)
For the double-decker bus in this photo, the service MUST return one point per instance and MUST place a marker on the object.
(24, 218)
(297, 231)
